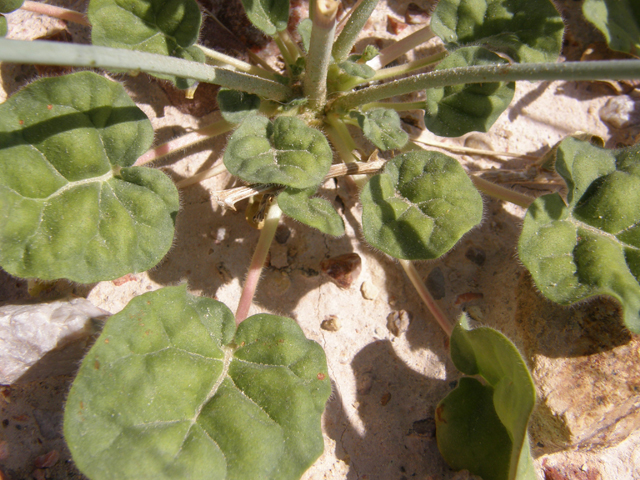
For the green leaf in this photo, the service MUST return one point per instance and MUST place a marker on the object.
(285, 152)
(235, 106)
(370, 52)
(354, 69)
(8, 6)
(619, 22)
(458, 109)
(382, 127)
(589, 245)
(304, 30)
(525, 30)
(71, 205)
(171, 391)
(315, 212)
(270, 16)
(483, 428)
(152, 26)
(3, 26)
(419, 206)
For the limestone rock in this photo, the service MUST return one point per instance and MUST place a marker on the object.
(60, 330)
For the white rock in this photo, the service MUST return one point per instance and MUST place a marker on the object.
(29, 332)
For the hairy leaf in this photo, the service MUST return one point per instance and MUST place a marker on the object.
(270, 16)
(235, 106)
(420, 206)
(483, 428)
(355, 69)
(71, 205)
(171, 390)
(589, 245)
(315, 212)
(8, 6)
(285, 151)
(458, 109)
(304, 30)
(3, 26)
(619, 22)
(525, 30)
(153, 26)
(382, 127)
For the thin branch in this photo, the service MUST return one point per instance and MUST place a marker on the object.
(392, 52)
(456, 148)
(570, 71)
(501, 193)
(221, 60)
(426, 297)
(56, 12)
(257, 261)
(56, 53)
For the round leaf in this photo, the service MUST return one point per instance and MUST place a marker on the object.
(285, 151)
(619, 22)
(382, 127)
(152, 26)
(71, 205)
(8, 6)
(270, 16)
(3, 26)
(589, 245)
(484, 428)
(315, 212)
(235, 106)
(420, 206)
(525, 30)
(458, 109)
(171, 391)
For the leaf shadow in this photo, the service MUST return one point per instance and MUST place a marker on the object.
(396, 406)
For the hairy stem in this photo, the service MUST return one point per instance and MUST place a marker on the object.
(257, 261)
(341, 139)
(426, 297)
(572, 71)
(293, 48)
(390, 72)
(323, 15)
(501, 193)
(392, 52)
(56, 53)
(56, 12)
(397, 106)
(286, 55)
(218, 59)
(355, 23)
(218, 128)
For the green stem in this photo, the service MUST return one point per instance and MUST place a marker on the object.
(392, 52)
(397, 106)
(501, 193)
(323, 15)
(56, 12)
(341, 139)
(200, 135)
(257, 261)
(571, 71)
(218, 59)
(426, 297)
(390, 72)
(286, 55)
(293, 48)
(56, 53)
(347, 38)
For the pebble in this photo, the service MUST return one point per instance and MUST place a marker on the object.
(398, 322)
(330, 324)
(369, 290)
(343, 270)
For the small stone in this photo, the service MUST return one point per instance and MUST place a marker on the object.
(416, 15)
(364, 383)
(282, 234)
(278, 257)
(424, 428)
(435, 283)
(330, 324)
(395, 26)
(343, 270)
(476, 255)
(386, 397)
(620, 112)
(398, 322)
(47, 460)
(224, 273)
(369, 290)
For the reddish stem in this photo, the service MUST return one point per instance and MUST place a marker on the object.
(56, 12)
